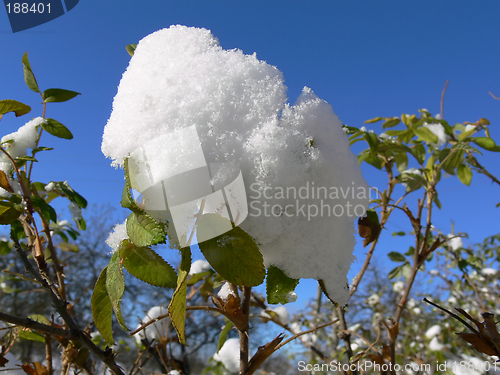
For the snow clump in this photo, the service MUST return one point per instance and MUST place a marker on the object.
(303, 184)
(155, 330)
(229, 355)
(199, 266)
(118, 234)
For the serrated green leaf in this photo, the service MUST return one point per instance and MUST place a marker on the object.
(391, 122)
(177, 306)
(143, 230)
(131, 48)
(29, 77)
(233, 255)
(464, 174)
(58, 95)
(115, 286)
(127, 200)
(223, 335)
(371, 121)
(47, 211)
(279, 286)
(40, 319)
(147, 265)
(102, 309)
(56, 129)
(396, 257)
(18, 108)
(426, 135)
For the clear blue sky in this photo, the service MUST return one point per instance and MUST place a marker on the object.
(366, 58)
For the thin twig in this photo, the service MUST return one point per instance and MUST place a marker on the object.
(442, 98)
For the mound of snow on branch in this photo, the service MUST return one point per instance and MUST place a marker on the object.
(303, 184)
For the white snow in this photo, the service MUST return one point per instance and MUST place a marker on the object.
(156, 330)
(25, 137)
(398, 286)
(438, 130)
(50, 186)
(436, 345)
(433, 331)
(455, 242)
(373, 299)
(229, 355)
(118, 234)
(225, 291)
(180, 77)
(199, 266)
(489, 271)
(281, 311)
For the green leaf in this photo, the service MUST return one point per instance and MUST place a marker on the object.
(72, 195)
(223, 335)
(400, 233)
(131, 49)
(419, 152)
(396, 257)
(115, 286)
(30, 335)
(102, 309)
(371, 121)
(395, 272)
(233, 255)
(426, 135)
(464, 174)
(401, 159)
(147, 265)
(58, 95)
(5, 247)
(9, 212)
(466, 147)
(465, 134)
(56, 129)
(143, 230)
(18, 108)
(47, 211)
(391, 122)
(279, 286)
(486, 143)
(372, 141)
(177, 306)
(29, 77)
(127, 200)
(26, 158)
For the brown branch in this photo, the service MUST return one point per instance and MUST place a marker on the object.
(40, 327)
(61, 307)
(243, 333)
(297, 335)
(494, 96)
(442, 98)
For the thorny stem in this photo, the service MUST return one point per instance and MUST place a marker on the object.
(48, 354)
(346, 335)
(245, 306)
(61, 307)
